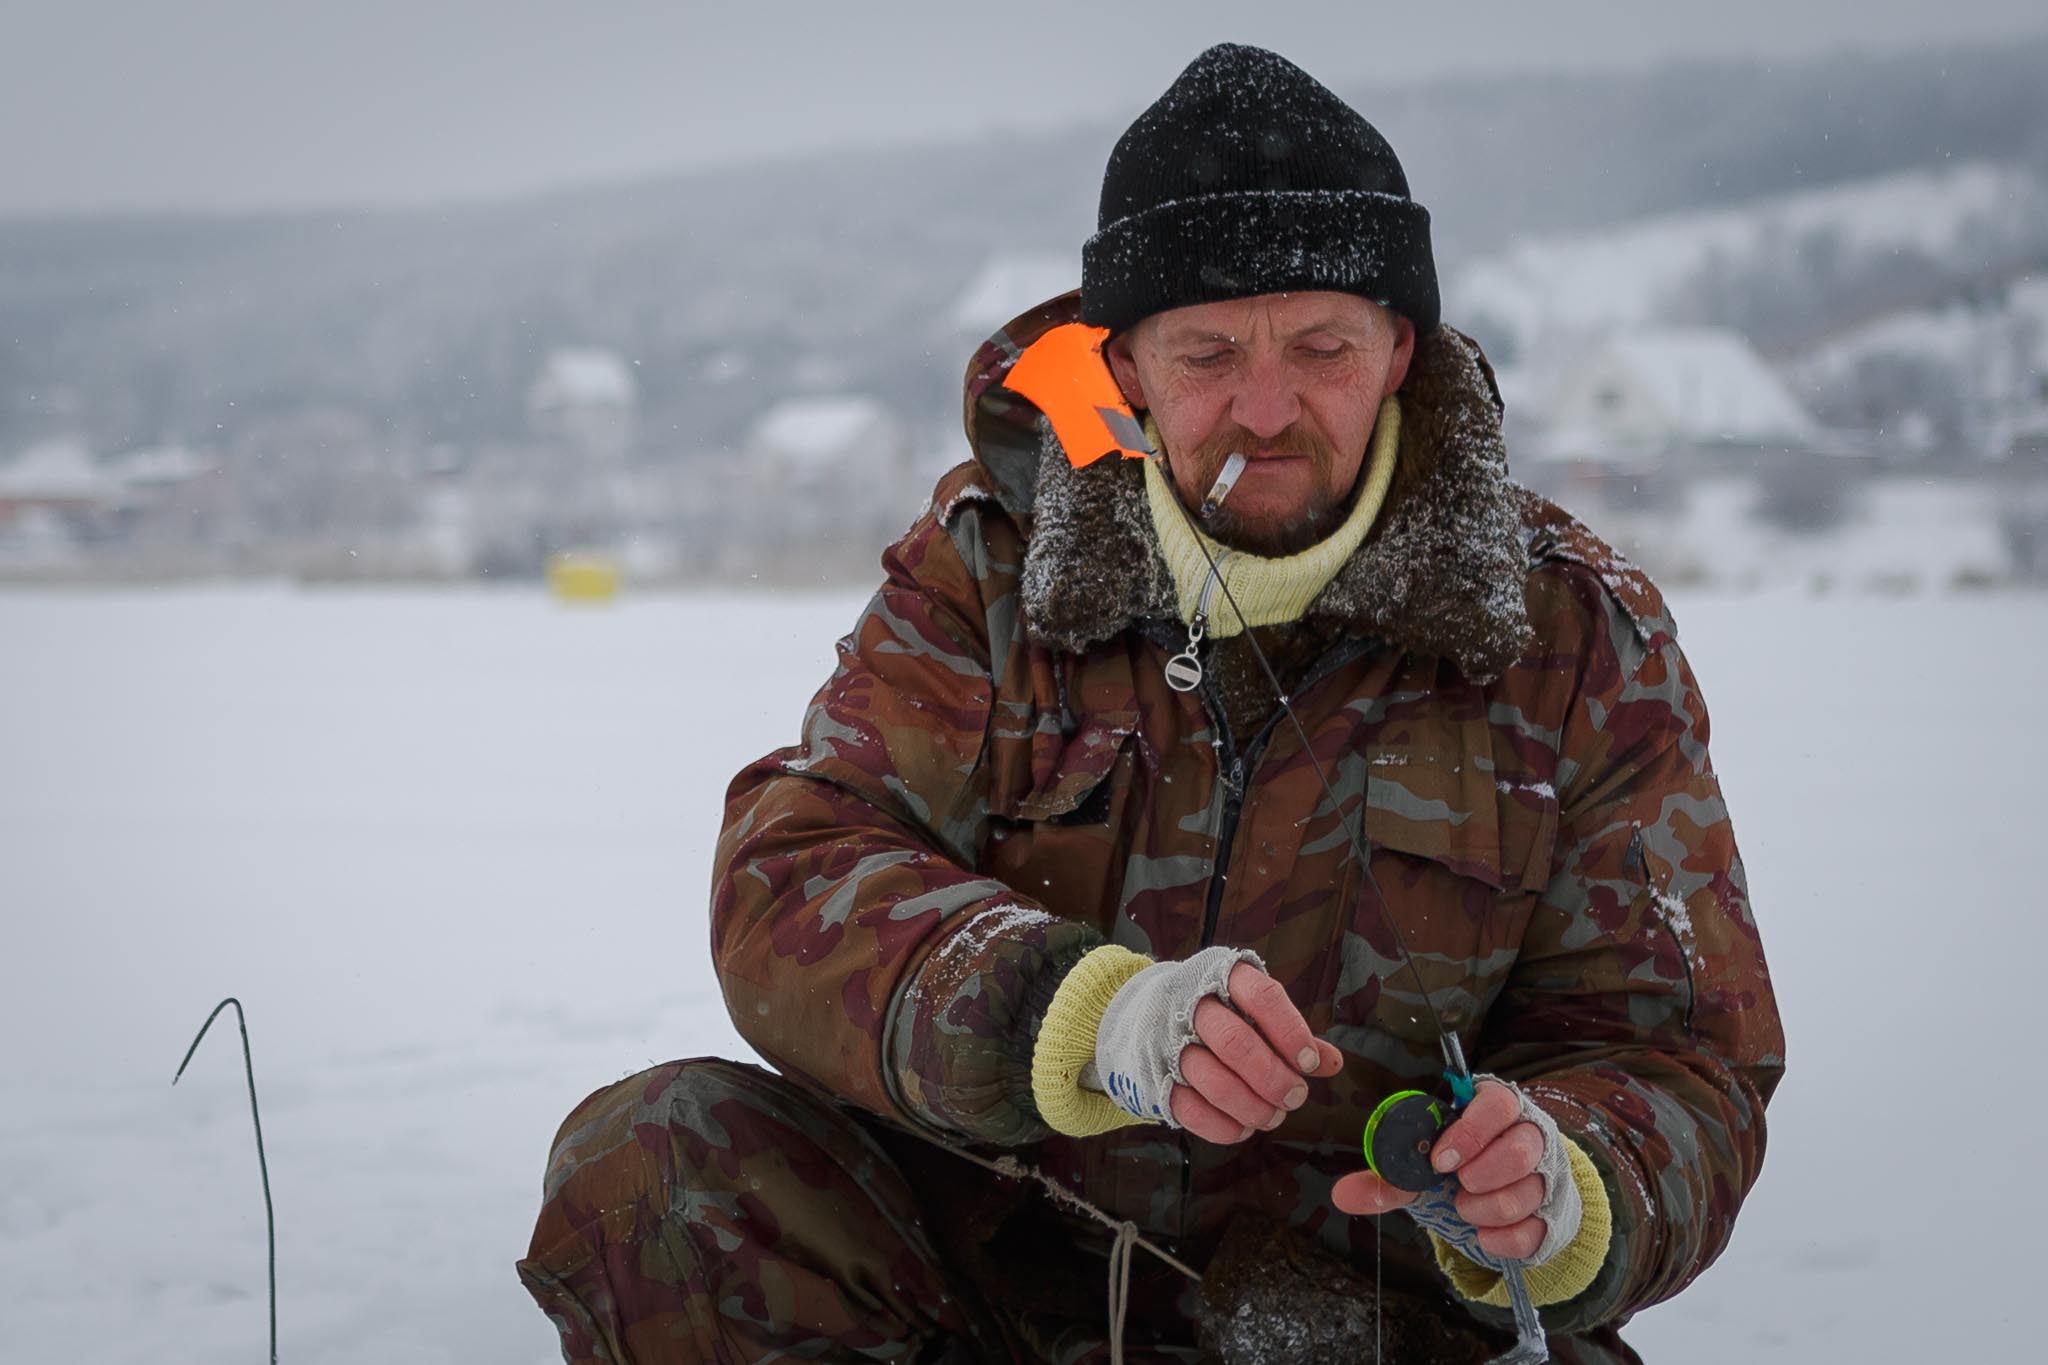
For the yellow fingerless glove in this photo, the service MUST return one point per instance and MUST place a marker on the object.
(1563, 1276)
(1066, 1043)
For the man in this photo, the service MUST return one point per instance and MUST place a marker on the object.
(1053, 873)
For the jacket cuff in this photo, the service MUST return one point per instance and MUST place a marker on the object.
(1566, 1274)
(1066, 1043)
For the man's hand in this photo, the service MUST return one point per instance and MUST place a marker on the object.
(1496, 1155)
(1245, 1072)
(1210, 1043)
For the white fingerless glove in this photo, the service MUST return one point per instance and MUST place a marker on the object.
(1149, 1022)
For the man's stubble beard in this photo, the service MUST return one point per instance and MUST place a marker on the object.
(1263, 535)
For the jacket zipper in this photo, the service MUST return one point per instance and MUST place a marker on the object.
(1226, 829)
(1241, 767)
(1237, 776)
(1209, 587)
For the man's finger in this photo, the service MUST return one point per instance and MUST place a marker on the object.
(1204, 1119)
(1330, 1059)
(1264, 1001)
(1219, 1085)
(1517, 1243)
(1362, 1192)
(1489, 1115)
(1505, 1160)
(1238, 1046)
(1502, 1208)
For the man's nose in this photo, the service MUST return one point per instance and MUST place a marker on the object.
(1266, 403)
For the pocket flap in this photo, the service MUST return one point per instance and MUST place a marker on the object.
(1041, 772)
(1442, 785)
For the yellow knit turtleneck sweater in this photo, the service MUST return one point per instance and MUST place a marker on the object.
(1268, 591)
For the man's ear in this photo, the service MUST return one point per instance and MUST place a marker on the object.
(1404, 352)
(1124, 367)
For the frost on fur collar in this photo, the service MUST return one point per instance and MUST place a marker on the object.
(1440, 574)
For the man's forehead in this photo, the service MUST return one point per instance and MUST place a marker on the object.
(1282, 315)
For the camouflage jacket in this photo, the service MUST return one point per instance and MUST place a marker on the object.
(997, 778)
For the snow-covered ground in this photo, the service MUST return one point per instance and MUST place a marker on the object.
(1899, 535)
(452, 850)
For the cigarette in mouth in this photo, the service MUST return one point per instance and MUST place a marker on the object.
(1226, 479)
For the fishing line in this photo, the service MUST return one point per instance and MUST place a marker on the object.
(1454, 1059)
(1530, 1347)
(262, 1163)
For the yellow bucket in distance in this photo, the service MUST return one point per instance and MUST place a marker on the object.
(582, 578)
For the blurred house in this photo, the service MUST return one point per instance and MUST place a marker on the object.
(2019, 433)
(54, 500)
(35, 540)
(1669, 393)
(842, 442)
(823, 483)
(1629, 418)
(2018, 485)
(178, 506)
(151, 472)
(55, 504)
(585, 400)
(60, 476)
(583, 415)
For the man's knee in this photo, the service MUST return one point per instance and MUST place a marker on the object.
(653, 1126)
(637, 1205)
(708, 1206)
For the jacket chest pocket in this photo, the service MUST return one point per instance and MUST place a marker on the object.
(1460, 854)
(1060, 802)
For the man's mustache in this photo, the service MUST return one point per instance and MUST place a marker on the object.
(1297, 439)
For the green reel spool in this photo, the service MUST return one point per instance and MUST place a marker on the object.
(1398, 1138)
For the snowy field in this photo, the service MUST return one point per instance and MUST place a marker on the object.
(452, 850)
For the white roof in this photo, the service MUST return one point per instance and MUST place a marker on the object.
(61, 470)
(820, 429)
(1711, 382)
(1010, 283)
(155, 465)
(579, 375)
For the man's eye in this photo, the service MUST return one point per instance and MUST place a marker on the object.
(1322, 352)
(1211, 360)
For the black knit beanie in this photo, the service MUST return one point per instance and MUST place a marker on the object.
(1249, 176)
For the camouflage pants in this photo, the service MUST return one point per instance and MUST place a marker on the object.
(712, 1211)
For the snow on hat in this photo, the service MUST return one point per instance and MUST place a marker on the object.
(1249, 176)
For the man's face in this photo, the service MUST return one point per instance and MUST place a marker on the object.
(1293, 381)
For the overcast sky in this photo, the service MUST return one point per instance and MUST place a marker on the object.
(231, 104)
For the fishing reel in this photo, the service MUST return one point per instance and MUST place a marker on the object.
(1399, 1136)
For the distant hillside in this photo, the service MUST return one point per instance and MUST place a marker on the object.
(1785, 269)
(1496, 159)
(837, 271)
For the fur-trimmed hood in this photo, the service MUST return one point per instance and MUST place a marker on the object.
(1440, 573)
